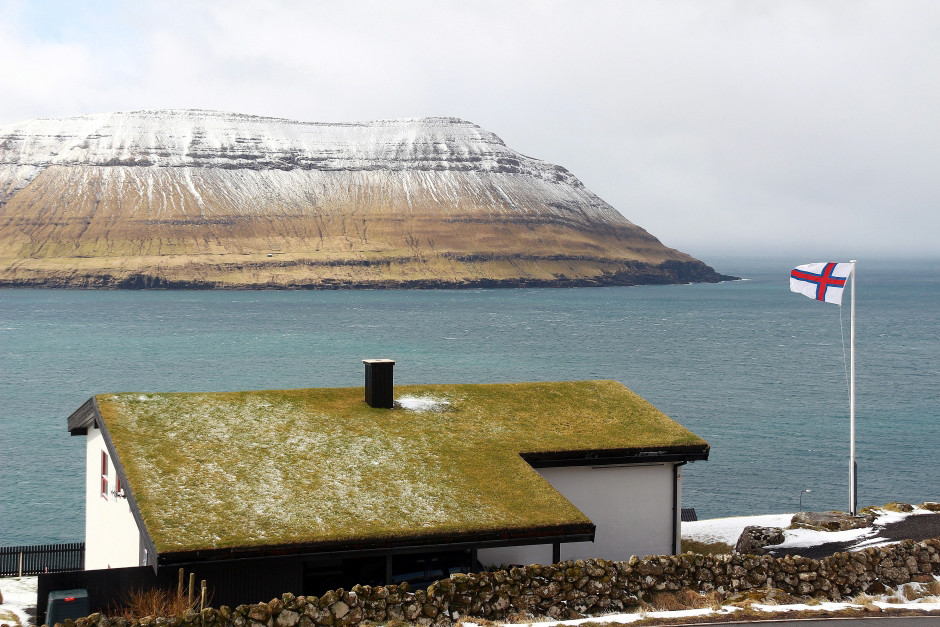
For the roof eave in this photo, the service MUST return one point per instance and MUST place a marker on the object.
(580, 532)
(616, 457)
(84, 417)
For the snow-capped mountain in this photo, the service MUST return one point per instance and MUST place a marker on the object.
(184, 197)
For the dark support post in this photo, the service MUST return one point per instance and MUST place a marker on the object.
(556, 552)
(379, 382)
(676, 509)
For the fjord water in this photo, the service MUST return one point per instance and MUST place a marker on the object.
(754, 369)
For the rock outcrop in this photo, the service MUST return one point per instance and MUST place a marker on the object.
(163, 199)
(830, 521)
(753, 539)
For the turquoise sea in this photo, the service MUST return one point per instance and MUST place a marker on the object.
(754, 369)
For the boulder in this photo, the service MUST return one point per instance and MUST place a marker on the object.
(753, 539)
(897, 506)
(829, 521)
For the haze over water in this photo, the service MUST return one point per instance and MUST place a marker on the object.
(754, 369)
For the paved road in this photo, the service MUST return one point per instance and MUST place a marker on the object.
(918, 528)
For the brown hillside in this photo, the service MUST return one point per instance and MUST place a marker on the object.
(77, 210)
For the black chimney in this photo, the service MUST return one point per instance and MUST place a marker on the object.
(379, 388)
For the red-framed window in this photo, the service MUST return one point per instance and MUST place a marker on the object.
(104, 475)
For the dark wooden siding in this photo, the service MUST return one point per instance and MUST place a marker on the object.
(230, 583)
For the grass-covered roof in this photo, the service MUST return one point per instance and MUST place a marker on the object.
(221, 470)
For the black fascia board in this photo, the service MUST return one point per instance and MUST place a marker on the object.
(616, 457)
(417, 544)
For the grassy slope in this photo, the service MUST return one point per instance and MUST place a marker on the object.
(258, 468)
(71, 223)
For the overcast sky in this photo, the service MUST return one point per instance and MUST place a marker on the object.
(809, 128)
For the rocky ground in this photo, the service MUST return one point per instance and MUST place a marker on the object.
(911, 527)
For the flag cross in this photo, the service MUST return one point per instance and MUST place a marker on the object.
(823, 281)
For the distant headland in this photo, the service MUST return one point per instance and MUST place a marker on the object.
(193, 199)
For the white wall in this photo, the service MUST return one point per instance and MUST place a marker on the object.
(112, 539)
(631, 505)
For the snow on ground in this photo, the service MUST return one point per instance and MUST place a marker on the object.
(728, 530)
(19, 599)
(423, 403)
(827, 606)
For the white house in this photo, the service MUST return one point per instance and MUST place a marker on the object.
(113, 537)
(329, 485)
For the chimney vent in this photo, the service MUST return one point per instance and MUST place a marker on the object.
(379, 387)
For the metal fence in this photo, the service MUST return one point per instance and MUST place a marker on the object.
(42, 558)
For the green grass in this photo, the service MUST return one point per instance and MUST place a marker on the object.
(319, 465)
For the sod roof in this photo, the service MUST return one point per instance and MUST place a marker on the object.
(312, 466)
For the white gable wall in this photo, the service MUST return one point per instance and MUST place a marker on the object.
(631, 505)
(112, 539)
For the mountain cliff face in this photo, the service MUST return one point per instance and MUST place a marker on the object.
(208, 199)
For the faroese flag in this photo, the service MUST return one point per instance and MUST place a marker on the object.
(822, 281)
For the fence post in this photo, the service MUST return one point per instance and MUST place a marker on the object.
(20, 569)
(192, 588)
(202, 603)
(179, 585)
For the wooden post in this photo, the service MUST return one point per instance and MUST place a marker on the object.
(21, 566)
(202, 603)
(192, 589)
(179, 585)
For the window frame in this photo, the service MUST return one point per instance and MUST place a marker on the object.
(104, 475)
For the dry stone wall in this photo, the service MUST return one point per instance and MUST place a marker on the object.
(570, 589)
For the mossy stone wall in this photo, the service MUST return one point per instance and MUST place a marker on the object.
(570, 589)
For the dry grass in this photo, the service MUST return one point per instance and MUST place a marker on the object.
(9, 618)
(153, 602)
(667, 602)
(914, 591)
(714, 599)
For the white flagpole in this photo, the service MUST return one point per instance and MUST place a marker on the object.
(853, 472)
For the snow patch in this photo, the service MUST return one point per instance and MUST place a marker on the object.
(423, 403)
(728, 530)
(182, 152)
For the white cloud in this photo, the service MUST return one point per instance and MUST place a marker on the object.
(716, 126)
